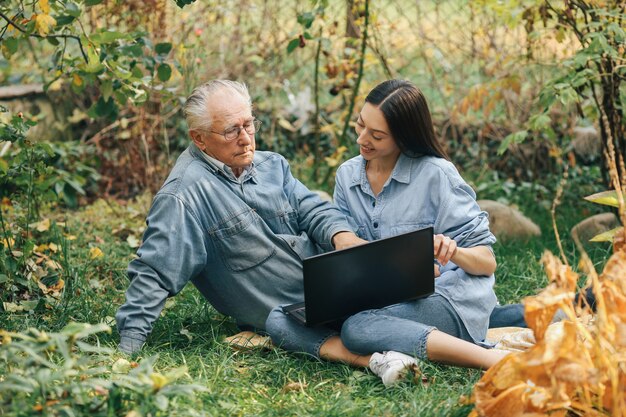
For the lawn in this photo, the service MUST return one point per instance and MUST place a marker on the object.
(188, 339)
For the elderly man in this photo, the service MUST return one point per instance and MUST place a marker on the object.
(233, 221)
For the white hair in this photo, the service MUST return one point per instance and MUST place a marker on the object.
(196, 109)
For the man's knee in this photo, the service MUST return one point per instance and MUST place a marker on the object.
(275, 324)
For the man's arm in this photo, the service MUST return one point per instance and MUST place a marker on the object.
(321, 220)
(173, 251)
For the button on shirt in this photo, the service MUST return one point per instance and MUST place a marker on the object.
(240, 241)
(423, 192)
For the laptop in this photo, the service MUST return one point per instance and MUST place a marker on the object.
(373, 275)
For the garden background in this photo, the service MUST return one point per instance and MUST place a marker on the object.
(527, 95)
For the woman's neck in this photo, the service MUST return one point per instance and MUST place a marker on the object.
(382, 166)
(378, 172)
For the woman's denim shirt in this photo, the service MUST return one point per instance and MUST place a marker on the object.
(240, 242)
(422, 192)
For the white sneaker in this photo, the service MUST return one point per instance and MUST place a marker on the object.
(392, 366)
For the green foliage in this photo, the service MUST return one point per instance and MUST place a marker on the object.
(122, 66)
(33, 251)
(590, 79)
(62, 374)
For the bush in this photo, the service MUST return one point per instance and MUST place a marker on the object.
(61, 374)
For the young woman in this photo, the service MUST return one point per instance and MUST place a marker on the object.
(402, 181)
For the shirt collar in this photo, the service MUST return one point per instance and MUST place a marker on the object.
(219, 166)
(401, 172)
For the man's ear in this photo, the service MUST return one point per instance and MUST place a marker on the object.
(196, 137)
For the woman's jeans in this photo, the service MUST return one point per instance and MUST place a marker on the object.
(400, 327)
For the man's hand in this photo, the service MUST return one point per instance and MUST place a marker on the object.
(445, 249)
(343, 240)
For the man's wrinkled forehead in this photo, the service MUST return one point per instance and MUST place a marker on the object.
(228, 106)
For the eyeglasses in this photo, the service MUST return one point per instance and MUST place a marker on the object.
(232, 133)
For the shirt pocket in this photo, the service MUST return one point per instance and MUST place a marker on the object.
(287, 220)
(242, 241)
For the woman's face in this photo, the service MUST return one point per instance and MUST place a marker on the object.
(374, 138)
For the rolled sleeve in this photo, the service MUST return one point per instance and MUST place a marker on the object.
(461, 219)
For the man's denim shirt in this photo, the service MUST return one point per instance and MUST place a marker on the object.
(240, 243)
(423, 192)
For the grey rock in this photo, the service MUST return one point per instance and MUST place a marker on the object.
(586, 142)
(507, 222)
(594, 225)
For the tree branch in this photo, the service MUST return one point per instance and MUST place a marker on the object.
(35, 35)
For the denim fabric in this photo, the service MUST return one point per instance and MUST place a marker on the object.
(422, 192)
(402, 327)
(507, 315)
(290, 335)
(240, 243)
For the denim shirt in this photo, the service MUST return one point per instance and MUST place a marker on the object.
(422, 192)
(241, 243)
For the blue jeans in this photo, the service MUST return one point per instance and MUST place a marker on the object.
(289, 334)
(507, 315)
(401, 327)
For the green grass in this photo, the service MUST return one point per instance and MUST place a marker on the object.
(191, 333)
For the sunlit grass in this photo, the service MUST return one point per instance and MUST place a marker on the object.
(272, 382)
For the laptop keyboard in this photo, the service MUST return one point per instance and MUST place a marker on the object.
(300, 312)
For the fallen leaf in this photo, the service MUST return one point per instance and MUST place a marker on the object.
(121, 366)
(43, 225)
(132, 241)
(95, 253)
(294, 386)
(11, 307)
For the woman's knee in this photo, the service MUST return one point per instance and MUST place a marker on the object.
(352, 334)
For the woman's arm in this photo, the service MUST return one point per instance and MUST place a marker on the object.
(477, 260)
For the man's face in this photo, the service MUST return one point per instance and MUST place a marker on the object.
(229, 110)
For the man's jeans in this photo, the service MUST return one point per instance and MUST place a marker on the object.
(507, 315)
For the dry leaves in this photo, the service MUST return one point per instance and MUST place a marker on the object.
(576, 367)
(247, 340)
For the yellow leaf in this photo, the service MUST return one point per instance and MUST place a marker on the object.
(606, 236)
(53, 247)
(95, 253)
(286, 125)
(158, 380)
(8, 242)
(70, 237)
(52, 264)
(607, 198)
(44, 23)
(554, 152)
(44, 6)
(121, 366)
(76, 80)
(43, 225)
(41, 248)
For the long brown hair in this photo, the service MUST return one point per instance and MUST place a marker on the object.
(407, 115)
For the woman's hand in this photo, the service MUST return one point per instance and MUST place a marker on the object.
(477, 260)
(445, 249)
